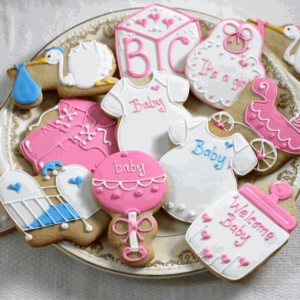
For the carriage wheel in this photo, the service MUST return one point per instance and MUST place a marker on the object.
(266, 154)
(223, 120)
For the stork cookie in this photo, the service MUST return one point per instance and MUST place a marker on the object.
(219, 67)
(242, 231)
(156, 37)
(85, 69)
(131, 187)
(53, 206)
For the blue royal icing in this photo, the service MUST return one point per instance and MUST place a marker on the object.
(76, 180)
(16, 187)
(228, 145)
(51, 166)
(56, 48)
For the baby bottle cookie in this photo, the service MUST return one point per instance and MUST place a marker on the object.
(242, 231)
(131, 187)
(54, 206)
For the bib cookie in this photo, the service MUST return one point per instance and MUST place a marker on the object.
(219, 67)
(242, 231)
(54, 206)
(131, 187)
(203, 167)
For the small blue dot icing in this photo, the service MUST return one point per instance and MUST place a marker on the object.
(16, 187)
(25, 89)
(51, 166)
(228, 145)
(56, 48)
(76, 180)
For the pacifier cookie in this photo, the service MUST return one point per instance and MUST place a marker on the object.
(131, 187)
(54, 206)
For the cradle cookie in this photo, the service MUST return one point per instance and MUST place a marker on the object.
(203, 167)
(241, 231)
(74, 131)
(131, 186)
(89, 67)
(146, 112)
(54, 206)
(219, 68)
(274, 138)
(156, 37)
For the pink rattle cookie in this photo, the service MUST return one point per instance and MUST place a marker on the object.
(131, 187)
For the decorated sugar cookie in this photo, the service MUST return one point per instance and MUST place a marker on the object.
(85, 69)
(241, 231)
(146, 112)
(203, 167)
(74, 131)
(156, 37)
(131, 187)
(219, 68)
(273, 137)
(53, 206)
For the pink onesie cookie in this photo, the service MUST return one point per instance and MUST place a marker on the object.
(131, 187)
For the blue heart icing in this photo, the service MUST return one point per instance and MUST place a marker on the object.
(15, 187)
(228, 145)
(76, 180)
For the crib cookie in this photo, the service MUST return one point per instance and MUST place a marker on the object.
(156, 37)
(54, 206)
(219, 68)
(203, 167)
(89, 67)
(274, 139)
(241, 231)
(75, 131)
(130, 187)
(145, 112)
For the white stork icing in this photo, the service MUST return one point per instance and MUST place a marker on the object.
(88, 64)
(292, 32)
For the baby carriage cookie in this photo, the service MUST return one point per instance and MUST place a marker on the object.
(131, 186)
(203, 167)
(146, 112)
(156, 37)
(242, 231)
(54, 206)
(75, 131)
(219, 67)
(89, 67)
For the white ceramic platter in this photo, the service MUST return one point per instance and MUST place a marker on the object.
(173, 258)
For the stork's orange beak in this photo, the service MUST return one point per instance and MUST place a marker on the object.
(278, 29)
(36, 62)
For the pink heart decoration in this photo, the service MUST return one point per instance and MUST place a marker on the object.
(142, 22)
(244, 262)
(155, 87)
(155, 17)
(243, 63)
(259, 155)
(225, 259)
(236, 197)
(205, 235)
(206, 217)
(207, 253)
(169, 22)
(219, 124)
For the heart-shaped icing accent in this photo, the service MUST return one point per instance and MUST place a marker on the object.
(207, 253)
(259, 155)
(219, 124)
(168, 22)
(155, 87)
(206, 217)
(15, 187)
(155, 17)
(225, 259)
(236, 197)
(243, 63)
(243, 262)
(76, 181)
(228, 145)
(205, 235)
(142, 22)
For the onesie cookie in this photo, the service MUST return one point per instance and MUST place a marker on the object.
(85, 70)
(74, 131)
(54, 206)
(156, 37)
(203, 167)
(131, 186)
(219, 68)
(146, 112)
(241, 231)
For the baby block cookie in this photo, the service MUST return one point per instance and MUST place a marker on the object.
(53, 206)
(241, 231)
(131, 187)
(88, 68)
